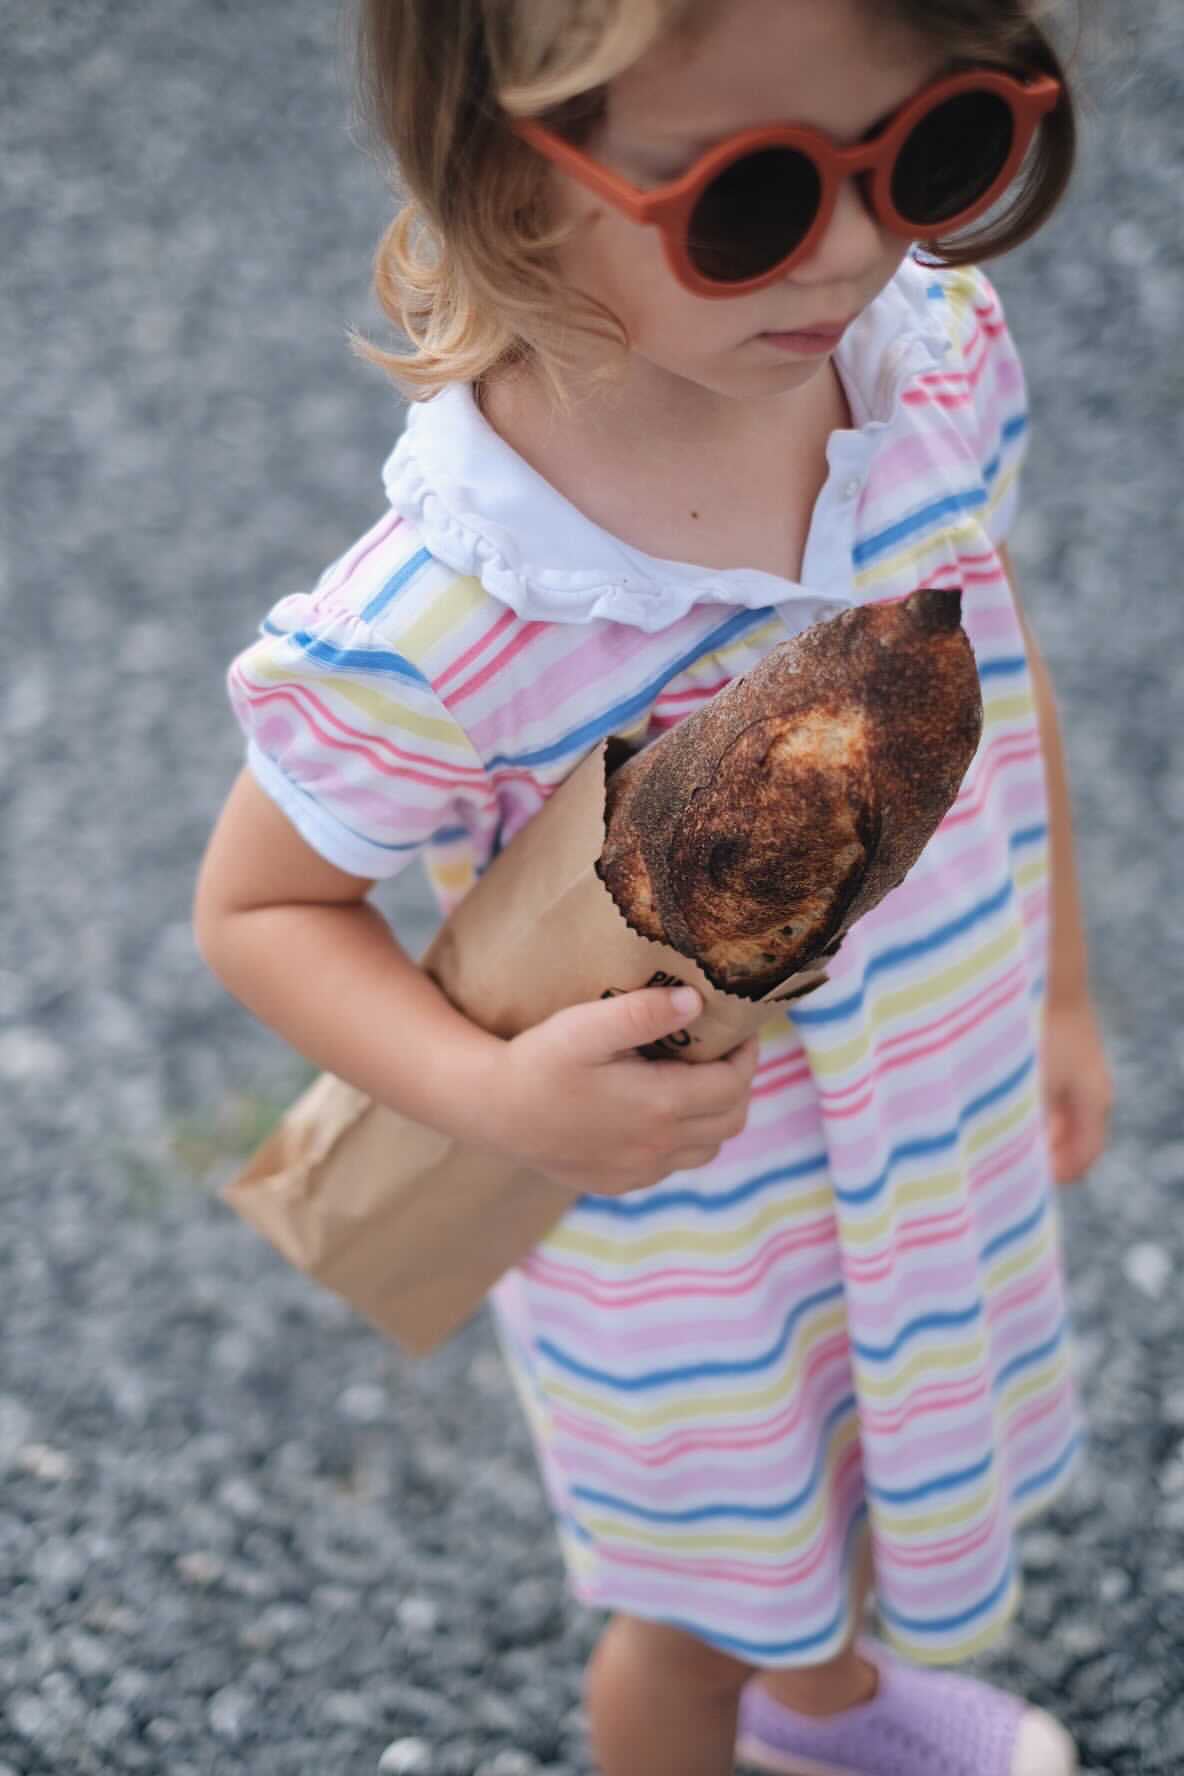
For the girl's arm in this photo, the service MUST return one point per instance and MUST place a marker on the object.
(293, 938)
(1077, 1086)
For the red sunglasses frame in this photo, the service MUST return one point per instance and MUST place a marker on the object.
(670, 207)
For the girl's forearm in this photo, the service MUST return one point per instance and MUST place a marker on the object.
(1068, 974)
(333, 981)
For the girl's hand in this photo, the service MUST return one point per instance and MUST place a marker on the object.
(573, 1100)
(1078, 1093)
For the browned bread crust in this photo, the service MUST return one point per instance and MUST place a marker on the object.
(755, 833)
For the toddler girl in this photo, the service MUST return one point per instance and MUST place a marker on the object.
(704, 368)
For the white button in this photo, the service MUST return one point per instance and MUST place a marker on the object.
(851, 489)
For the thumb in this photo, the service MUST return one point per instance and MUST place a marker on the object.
(608, 1027)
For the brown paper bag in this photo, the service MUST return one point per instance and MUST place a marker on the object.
(407, 1225)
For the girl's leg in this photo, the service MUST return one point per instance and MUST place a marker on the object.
(842, 1681)
(661, 1703)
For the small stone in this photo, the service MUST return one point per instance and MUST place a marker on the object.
(1114, 1585)
(363, 1404)
(200, 1568)
(29, 1716)
(406, 1757)
(229, 1711)
(45, 1463)
(346, 1708)
(495, 1714)
(89, 1656)
(509, 1763)
(1148, 1268)
(418, 1615)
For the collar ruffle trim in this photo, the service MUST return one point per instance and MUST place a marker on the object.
(482, 510)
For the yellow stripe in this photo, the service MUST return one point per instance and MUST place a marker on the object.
(447, 610)
(924, 1652)
(1039, 1381)
(1026, 1258)
(575, 1242)
(949, 1359)
(1002, 484)
(958, 535)
(1035, 870)
(883, 1008)
(807, 1527)
(860, 1232)
(1018, 707)
(381, 709)
(691, 1408)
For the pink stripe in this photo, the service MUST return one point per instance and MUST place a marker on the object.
(746, 1329)
(528, 633)
(458, 665)
(363, 548)
(677, 1444)
(368, 746)
(883, 1068)
(593, 669)
(671, 1283)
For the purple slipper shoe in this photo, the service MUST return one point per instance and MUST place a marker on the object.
(920, 1722)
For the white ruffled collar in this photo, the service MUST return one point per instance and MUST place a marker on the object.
(482, 510)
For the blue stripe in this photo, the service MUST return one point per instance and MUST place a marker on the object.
(620, 714)
(1040, 1353)
(1002, 667)
(928, 518)
(911, 1495)
(754, 1513)
(710, 1202)
(1029, 835)
(395, 584)
(364, 660)
(908, 952)
(1010, 1235)
(926, 1145)
(692, 1371)
(1050, 1475)
(931, 1322)
(763, 1651)
(947, 1624)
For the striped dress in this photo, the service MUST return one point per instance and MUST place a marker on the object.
(847, 1334)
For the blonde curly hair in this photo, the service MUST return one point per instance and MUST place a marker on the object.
(467, 270)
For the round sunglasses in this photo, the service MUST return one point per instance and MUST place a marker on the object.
(754, 205)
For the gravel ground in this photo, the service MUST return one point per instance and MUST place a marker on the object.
(239, 1532)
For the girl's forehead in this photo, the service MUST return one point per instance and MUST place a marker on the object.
(829, 63)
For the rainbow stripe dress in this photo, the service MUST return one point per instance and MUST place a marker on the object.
(847, 1335)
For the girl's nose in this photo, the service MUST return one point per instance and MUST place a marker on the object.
(853, 241)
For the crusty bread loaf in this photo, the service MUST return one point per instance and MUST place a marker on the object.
(754, 834)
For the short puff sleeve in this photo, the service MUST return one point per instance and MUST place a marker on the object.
(350, 739)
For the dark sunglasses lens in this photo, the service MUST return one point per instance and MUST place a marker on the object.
(753, 215)
(954, 155)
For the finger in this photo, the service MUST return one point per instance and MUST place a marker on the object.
(710, 1089)
(705, 1130)
(743, 1060)
(689, 1159)
(606, 1028)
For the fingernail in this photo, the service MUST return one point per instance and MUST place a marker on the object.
(685, 1001)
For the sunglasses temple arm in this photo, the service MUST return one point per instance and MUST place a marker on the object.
(596, 178)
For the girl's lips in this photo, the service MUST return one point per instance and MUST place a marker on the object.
(805, 342)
